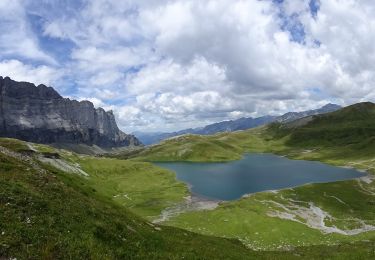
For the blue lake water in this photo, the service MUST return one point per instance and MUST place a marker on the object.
(254, 173)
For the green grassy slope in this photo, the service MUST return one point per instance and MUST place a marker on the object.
(352, 127)
(212, 148)
(330, 138)
(193, 148)
(348, 133)
(47, 214)
(141, 187)
(261, 221)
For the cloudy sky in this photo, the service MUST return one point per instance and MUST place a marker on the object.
(171, 64)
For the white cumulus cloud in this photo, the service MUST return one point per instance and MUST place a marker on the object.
(171, 64)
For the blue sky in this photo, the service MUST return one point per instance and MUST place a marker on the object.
(167, 65)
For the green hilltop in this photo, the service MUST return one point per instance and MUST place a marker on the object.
(348, 132)
(352, 126)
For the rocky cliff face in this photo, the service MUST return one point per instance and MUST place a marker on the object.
(40, 114)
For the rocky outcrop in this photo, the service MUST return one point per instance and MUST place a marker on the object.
(39, 114)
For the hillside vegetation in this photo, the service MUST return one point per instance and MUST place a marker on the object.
(343, 207)
(56, 204)
(51, 212)
(192, 148)
(353, 127)
(46, 213)
(346, 133)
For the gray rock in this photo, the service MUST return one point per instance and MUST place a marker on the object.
(39, 114)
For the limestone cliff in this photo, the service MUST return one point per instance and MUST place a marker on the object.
(40, 114)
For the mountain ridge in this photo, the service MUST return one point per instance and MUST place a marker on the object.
(349, 131)
(235, 125)
(40, 114)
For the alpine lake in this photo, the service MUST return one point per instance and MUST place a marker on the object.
(254, 173)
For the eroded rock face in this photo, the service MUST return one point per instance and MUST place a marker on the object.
(40, 114)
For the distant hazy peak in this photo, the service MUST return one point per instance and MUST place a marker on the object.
(242, 123)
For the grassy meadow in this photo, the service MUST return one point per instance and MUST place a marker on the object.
(49, 213)
(56, 204)
(273, 220)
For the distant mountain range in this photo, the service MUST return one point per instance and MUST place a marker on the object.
(345, 135)
(352, 127)
(234, 125)
(39, 114)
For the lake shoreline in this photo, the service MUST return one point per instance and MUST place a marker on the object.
(256, 172)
